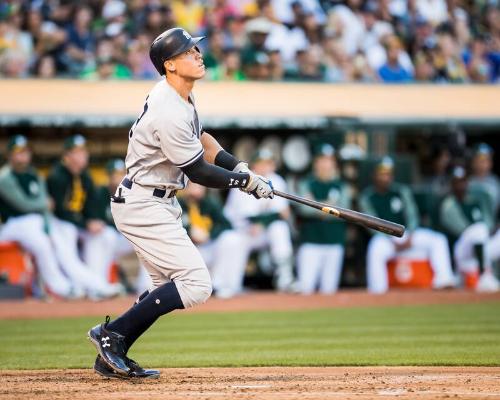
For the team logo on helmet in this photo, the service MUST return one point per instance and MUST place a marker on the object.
(186, 35)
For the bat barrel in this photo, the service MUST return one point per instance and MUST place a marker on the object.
(368, 221)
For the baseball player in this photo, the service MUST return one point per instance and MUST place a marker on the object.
(394, 202)
(321, 253)
(25, 210)
(100, 252)
(261, 224)
(72, 191)
(466, 218)
(167, 147)
(482, 180)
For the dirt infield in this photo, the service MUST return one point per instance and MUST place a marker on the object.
(256, 301)
(261, 383)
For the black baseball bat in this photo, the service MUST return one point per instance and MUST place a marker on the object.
(368, 221)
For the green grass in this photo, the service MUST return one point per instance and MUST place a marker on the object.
(416, 335)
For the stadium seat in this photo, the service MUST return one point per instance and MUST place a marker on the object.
(16, 266)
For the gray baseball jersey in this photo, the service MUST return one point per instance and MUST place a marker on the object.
(164, 138)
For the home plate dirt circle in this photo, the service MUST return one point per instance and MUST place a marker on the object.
(265, 383)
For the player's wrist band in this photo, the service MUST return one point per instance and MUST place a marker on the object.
(226, 160)
(214, 176)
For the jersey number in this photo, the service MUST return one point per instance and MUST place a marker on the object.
(131, 132)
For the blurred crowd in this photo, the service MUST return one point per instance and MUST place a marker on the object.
(272, 40)
(65, 223)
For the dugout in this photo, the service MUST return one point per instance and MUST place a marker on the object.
(371, 120)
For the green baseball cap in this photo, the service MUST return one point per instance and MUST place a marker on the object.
(74, 141)
(116, 164)
(17, 143)
(323, 149)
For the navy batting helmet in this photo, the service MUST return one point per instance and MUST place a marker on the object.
(169, 44)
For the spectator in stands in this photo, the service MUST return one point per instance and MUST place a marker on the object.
(276, 67)
(435, 33)
(234, 32)
(466, 218)
(215, 53)
(229, 69)
(48, 38)
(335, 60)
(138, 59)
(447, 61)
(257, 30)
(257, 66)
(476, 59)
(395, 202)
(73, 194)
(45, 68)
(111, 245)
(321, 252)
(107, 68)
(425, 70)
(309, 67)
(188, 14)
(157, 19)
(25, 208)
(217, 13)
(263, 223)
(483, 181)
(212, 233)
(80, 42)
(392, 71)
(16, 47)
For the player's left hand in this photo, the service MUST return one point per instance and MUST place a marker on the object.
(259, 187)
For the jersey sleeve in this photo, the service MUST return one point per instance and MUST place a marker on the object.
(179, 143)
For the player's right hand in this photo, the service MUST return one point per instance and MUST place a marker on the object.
(259, 187)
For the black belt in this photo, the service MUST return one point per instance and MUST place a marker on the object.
(156, 192)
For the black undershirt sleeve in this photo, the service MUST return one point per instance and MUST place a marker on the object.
(213, 176)
(226, 160)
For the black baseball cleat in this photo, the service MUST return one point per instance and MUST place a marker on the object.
(136, 371)
(111, 346)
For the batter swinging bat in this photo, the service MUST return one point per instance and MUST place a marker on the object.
(366, 220)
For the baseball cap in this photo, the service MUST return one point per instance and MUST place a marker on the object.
(263, 154)
(385, 165)
(483, 150)
(74, 141)
(116, 164)
(324, 149)
(17, 143)
(259, 25)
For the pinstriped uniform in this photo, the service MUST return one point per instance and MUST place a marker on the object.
(164, 138)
